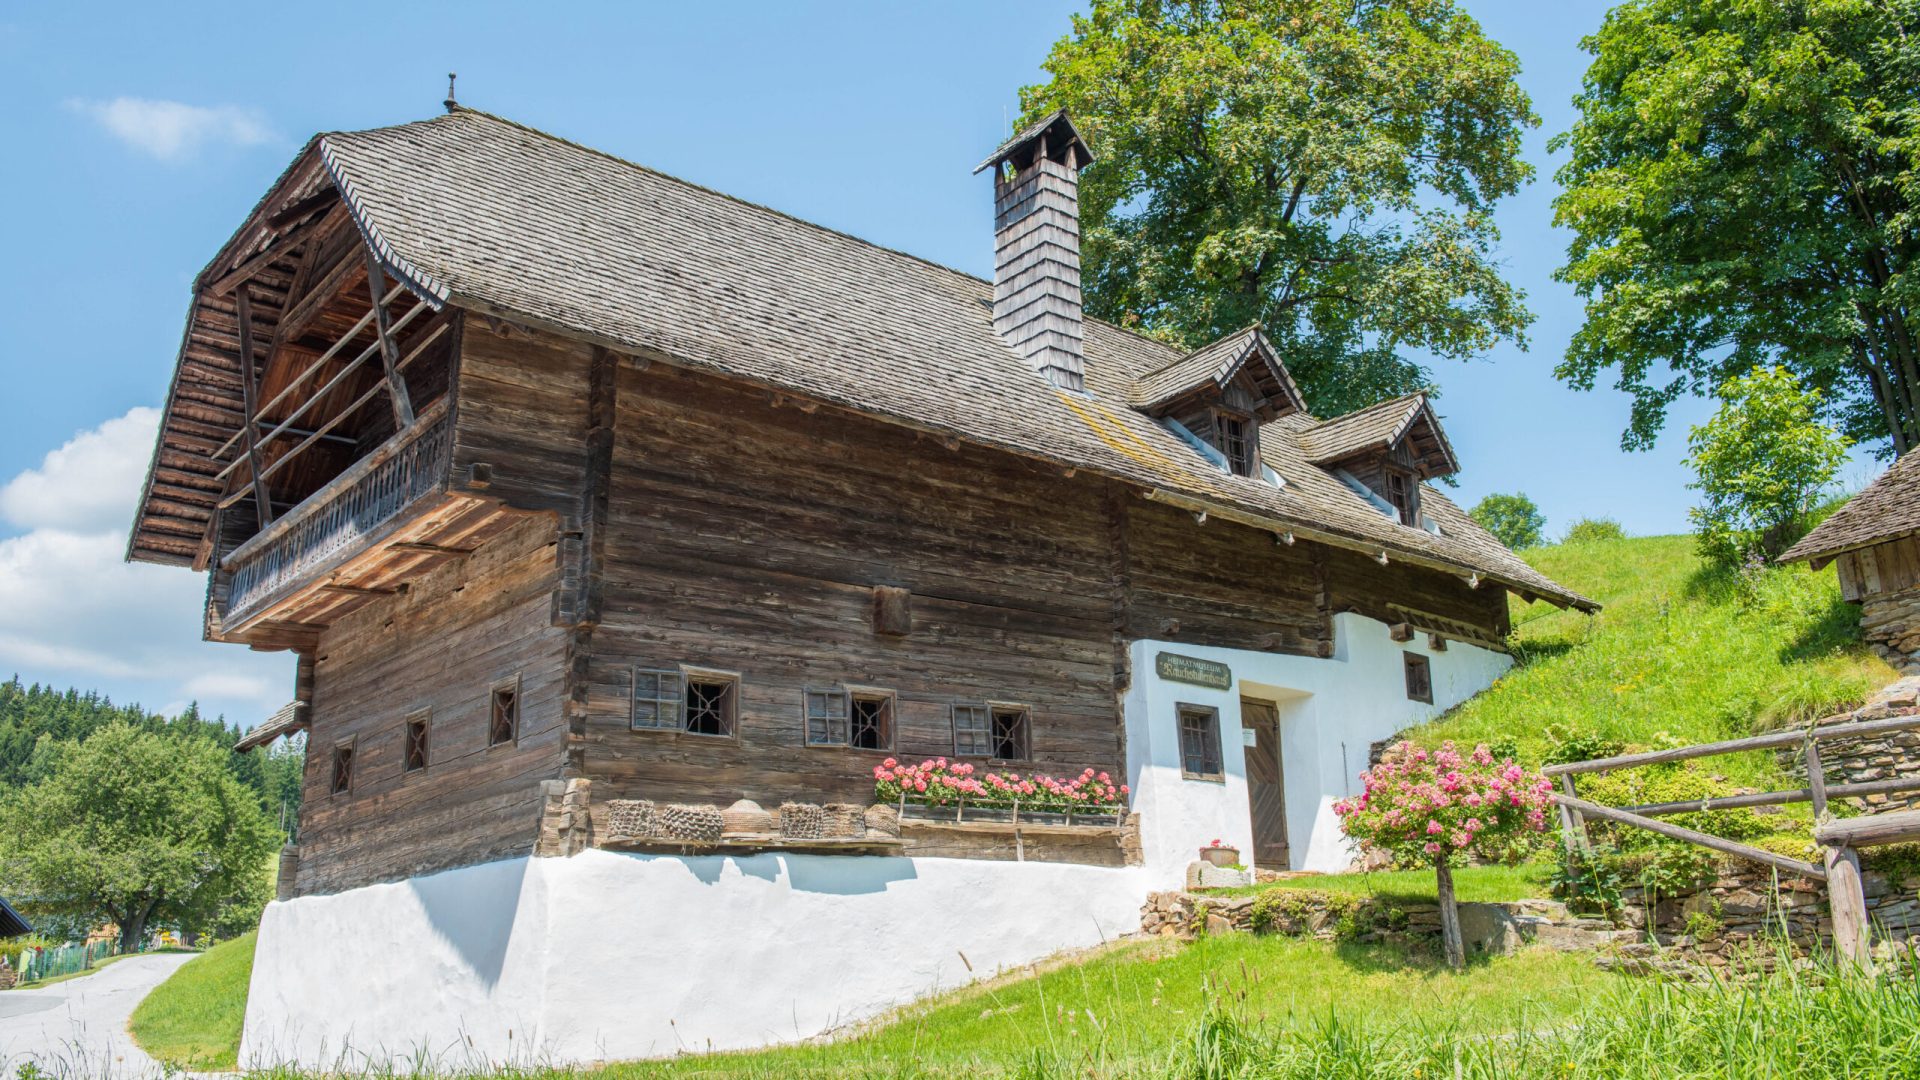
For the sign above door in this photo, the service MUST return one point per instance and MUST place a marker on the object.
(1191, 669)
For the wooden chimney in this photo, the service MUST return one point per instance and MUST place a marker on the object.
(1036, 277)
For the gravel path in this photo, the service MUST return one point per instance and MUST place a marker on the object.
(78, 1028)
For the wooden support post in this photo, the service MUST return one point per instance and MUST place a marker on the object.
(1816, 781)
(1847, 901)
(249, 391)
(1575, 823)
(389, 351)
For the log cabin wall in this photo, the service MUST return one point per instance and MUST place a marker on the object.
(1360, 584)
(1222, 584)
(750, 538)
(441, 646)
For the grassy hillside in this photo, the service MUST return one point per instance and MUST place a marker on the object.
(192, 1020)
(1679, 653)
(1131, 1011)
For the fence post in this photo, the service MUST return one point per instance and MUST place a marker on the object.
(1573, 822)
(1846, 899)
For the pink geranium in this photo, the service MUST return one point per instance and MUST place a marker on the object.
(940, 782)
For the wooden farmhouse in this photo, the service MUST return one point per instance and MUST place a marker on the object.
(615, 518)
(1873, 542)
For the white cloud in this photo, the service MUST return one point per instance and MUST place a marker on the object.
(74, 612)
(172, 130)
(89, 484)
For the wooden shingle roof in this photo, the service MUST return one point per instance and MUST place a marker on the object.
(494, 217)
(1376, 428)
(1213, 365)
(1888, 509)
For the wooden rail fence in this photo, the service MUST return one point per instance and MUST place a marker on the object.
(1840, 839)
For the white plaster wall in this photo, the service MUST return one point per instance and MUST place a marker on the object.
(1331, 712)
(609, 956)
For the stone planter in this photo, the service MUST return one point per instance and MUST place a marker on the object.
(1220, 856)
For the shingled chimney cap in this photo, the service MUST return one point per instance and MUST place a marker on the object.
(1060, 134)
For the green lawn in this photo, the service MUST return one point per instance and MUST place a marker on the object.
(1472, 884)
(1679, 650)
(1131, 1011)
(193, 1019)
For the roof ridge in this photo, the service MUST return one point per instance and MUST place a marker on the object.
(1378, 405)
(458, 109)
(1183, 357)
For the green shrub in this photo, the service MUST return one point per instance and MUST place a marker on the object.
(1762, 464)
(1513, 520)
(1565, 745)
(1594, 531)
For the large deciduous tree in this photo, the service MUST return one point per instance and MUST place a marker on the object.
(1741, 188)
(137, 827)
(1326, 169)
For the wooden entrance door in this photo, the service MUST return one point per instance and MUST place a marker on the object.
(1266, 788)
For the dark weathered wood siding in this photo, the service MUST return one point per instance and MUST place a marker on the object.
(441, 646)
(749, 538)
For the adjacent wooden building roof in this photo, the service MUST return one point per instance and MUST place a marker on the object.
(485, 214)
(11, 922)
(1888, 509)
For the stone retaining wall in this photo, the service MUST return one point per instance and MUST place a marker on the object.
(1744, 914)
(1486, 928)
(1858, 761)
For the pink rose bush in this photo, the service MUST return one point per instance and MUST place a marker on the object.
(1442, 805)
(939, 782)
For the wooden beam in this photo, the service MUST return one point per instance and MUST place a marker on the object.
(325, 197)
(1758, 742)
(248, 392)
(1900, 827)
(338, 417)
(280, 246)
(1608, 813)
(295, 320)
(1780, 798)
(389, 352)
(357, 590)
(309, 370)
(418, 548)
(327, 387)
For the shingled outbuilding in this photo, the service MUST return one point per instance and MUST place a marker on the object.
(1873, 542)
(613, 517)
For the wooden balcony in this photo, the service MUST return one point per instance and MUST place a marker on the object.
(386, 518)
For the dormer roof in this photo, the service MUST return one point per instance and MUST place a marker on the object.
(1379, 429)
(1210, 368)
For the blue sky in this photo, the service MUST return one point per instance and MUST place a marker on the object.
(140, 135)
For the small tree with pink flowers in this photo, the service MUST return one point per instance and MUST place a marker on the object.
(1443, 807)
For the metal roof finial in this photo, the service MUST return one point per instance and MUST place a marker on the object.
(451, 103)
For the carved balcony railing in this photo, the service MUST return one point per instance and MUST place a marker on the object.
(338, 518)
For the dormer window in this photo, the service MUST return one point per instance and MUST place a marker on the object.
(1405, 497)
(1237, 437)
(1216, 398)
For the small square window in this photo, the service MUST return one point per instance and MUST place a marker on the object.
(342, 770)
(503, 717)
(416, 748)
(1419, 678)
(1010, 742)
(656, 699)
(710, 705)
(872, 721)
(1200, 743)
(972, 734)
(826, 717)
